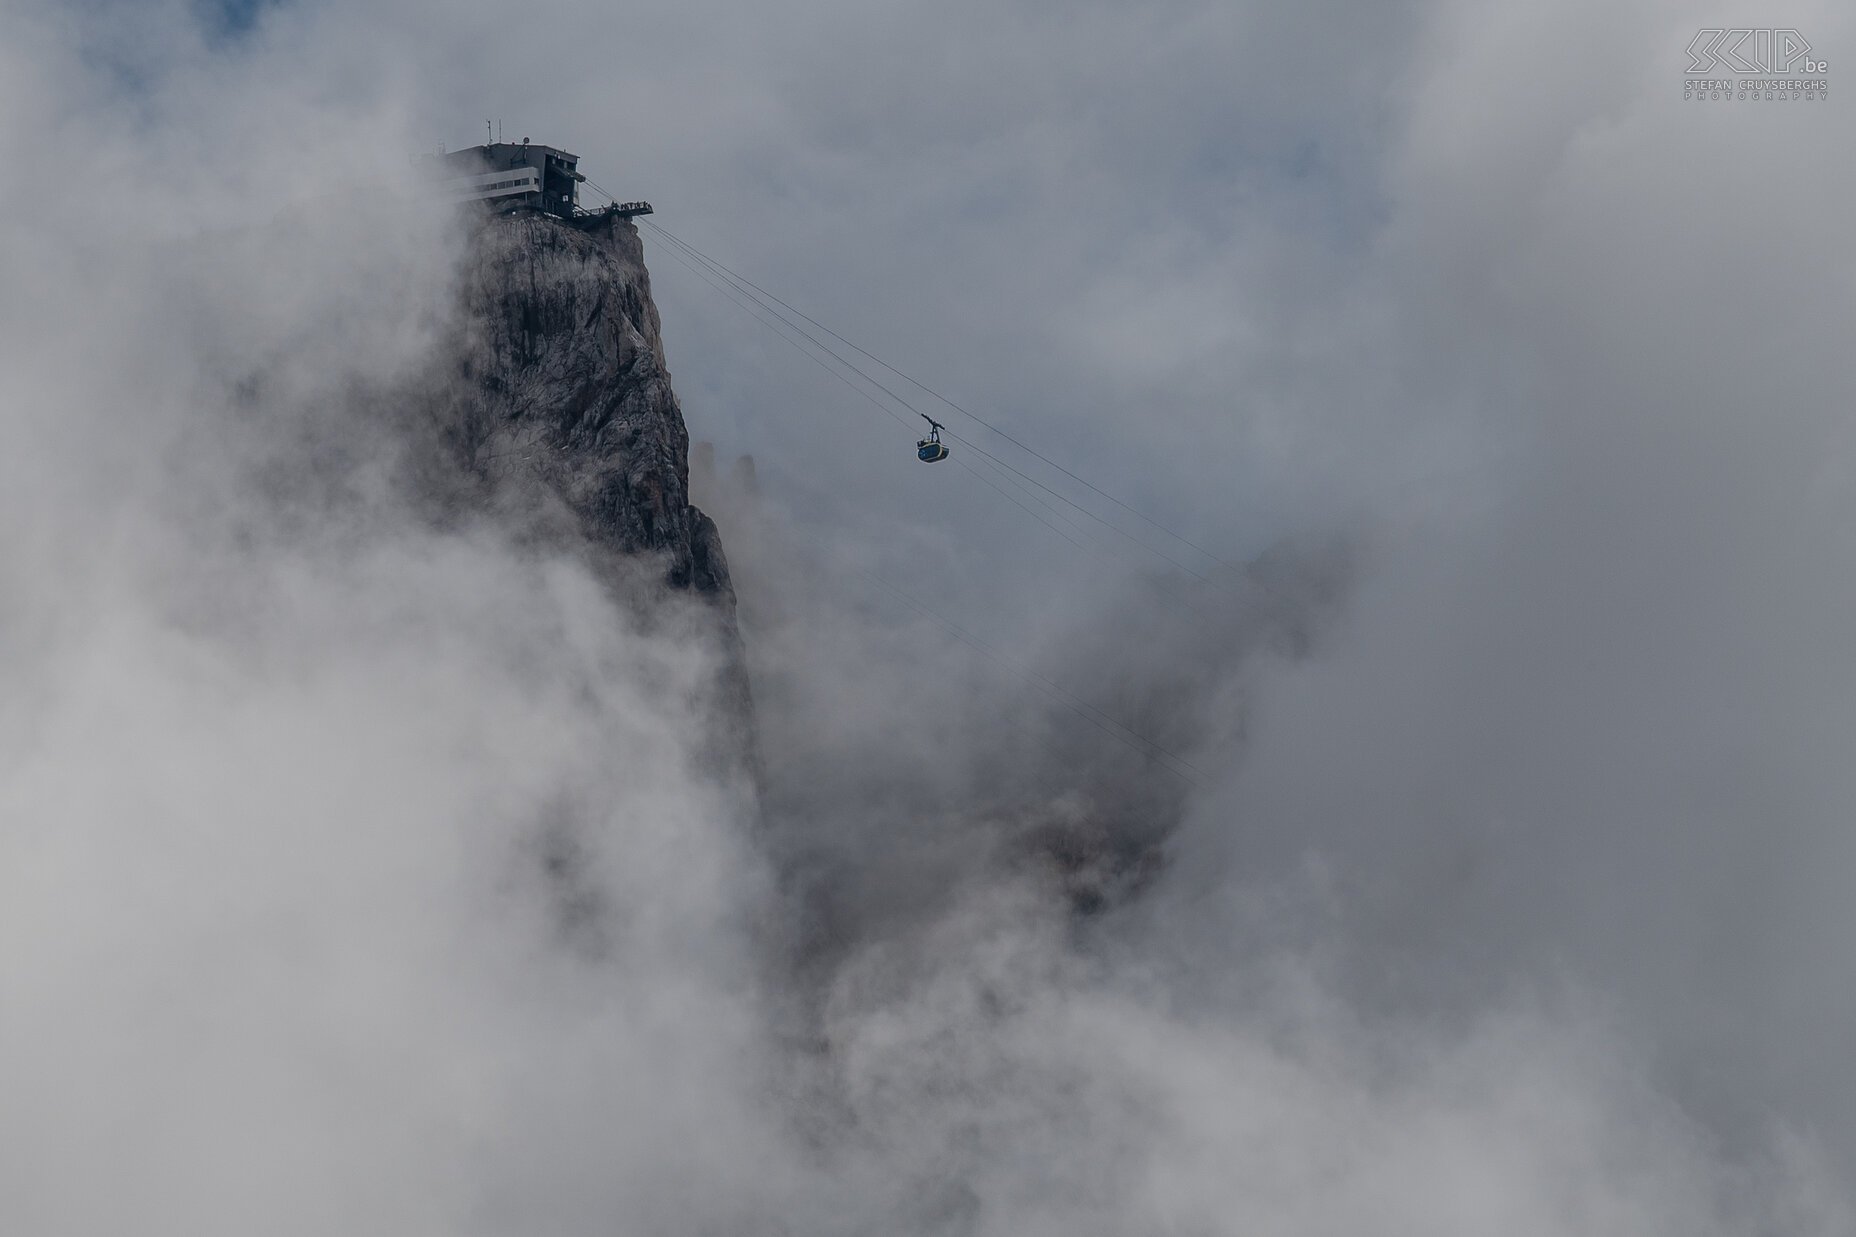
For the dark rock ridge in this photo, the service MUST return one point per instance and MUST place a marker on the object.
(566, 355)
(560, 416)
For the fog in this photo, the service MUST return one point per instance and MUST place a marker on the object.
(1453, 843)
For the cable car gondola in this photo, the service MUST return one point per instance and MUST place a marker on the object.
(929, 450)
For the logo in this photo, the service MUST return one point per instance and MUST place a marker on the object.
(1777, 64)
(1745, 50)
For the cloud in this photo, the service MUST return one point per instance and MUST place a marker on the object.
(361, 874)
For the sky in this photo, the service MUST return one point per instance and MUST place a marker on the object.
(1493, 387)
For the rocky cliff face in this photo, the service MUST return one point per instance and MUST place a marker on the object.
(559, 413)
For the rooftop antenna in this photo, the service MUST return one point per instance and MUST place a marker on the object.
(489, 134)
(499, 131)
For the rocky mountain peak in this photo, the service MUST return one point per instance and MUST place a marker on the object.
(560, 415)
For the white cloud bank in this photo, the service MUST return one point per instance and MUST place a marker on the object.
(356, 876)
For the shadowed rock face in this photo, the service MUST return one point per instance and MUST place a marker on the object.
(559, 415)
(566, 356)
